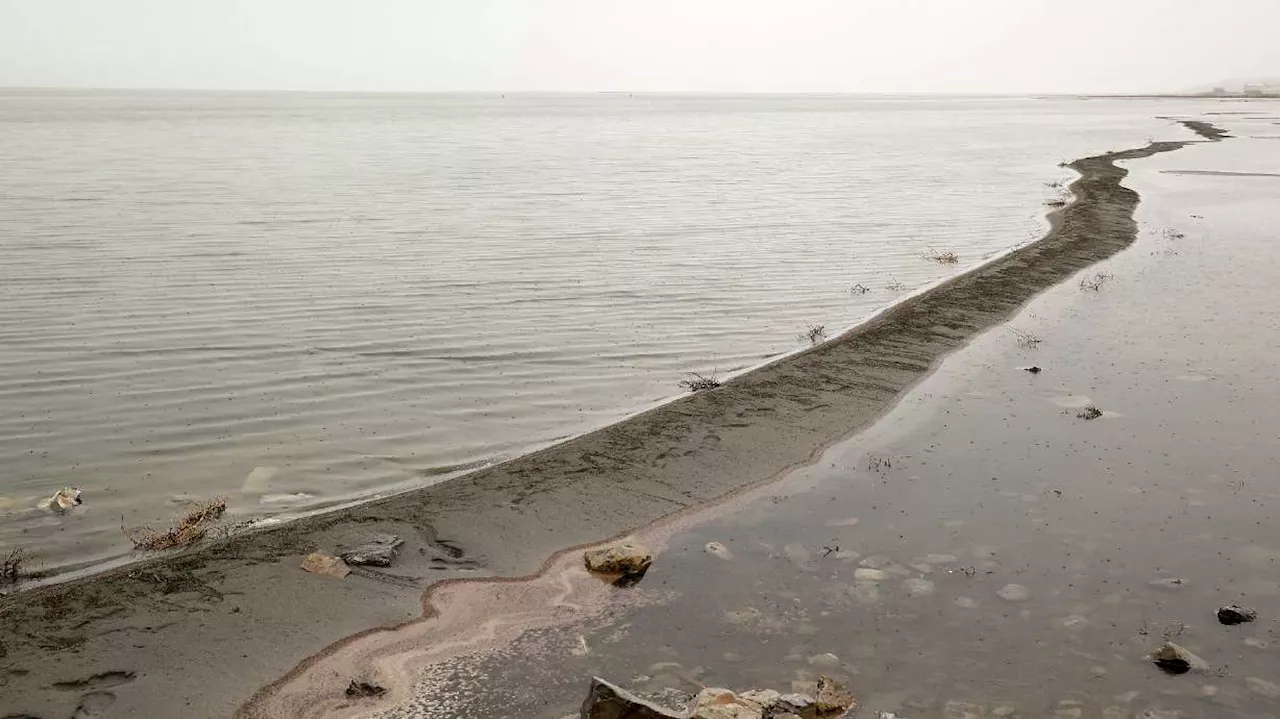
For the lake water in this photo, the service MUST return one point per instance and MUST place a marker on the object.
(298, 300)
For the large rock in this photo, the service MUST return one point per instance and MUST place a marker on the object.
(625, 557)
(609, 701)
(724, 704)
(379, 551)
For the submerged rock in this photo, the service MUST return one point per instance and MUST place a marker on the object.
(1014, 593)
(379, 551)
(1235, 614)
(619, 558)
(1177, 659)
(1267, 689)
(719, 550)
(609, 701)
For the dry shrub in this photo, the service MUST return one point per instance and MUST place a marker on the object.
(1096, 282)
(695, 382)
(1026, 339)
(945, 257)
(188, 528)
(814, 335)
(11, 567)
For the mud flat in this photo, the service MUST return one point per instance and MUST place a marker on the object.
(199, 633)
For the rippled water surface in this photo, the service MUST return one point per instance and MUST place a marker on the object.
(295, 300)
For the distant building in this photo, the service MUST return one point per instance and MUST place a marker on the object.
(1219, 91)
(1262, 90)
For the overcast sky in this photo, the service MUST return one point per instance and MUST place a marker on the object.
(642, 45)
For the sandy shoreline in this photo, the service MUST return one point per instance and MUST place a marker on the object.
(158, 635)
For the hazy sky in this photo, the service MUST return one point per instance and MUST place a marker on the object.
(645, 45)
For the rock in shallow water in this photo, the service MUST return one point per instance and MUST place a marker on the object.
(1177, 659)
(619, 558)
(1235, 614)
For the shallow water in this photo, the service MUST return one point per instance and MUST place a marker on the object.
(983, 551)
(295, 300)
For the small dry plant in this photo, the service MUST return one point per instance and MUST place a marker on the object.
(1090, 412)
(1025, 338)
(814, 335)
(859, 289)
(945, 257)
(188, 528)
(1096, 282)
(895, 286)
(695, 382)
(1172, 234)
(11, 567)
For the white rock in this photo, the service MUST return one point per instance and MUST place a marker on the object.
(869, 575)
(624, 557)
(719, 550)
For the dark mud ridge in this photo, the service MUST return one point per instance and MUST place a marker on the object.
(208, 626)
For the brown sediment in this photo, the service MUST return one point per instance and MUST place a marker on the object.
(507, 519)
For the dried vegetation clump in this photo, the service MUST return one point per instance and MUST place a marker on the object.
(188, 528)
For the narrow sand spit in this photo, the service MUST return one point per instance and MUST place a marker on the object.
(467, 616)
(197, 632)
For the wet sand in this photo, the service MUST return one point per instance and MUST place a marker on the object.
(198, 633)
(983, 551)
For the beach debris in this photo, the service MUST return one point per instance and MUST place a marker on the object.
(1014, 593)
(719, 550)
(1177, 659)
(1033, 369)
(609, 701)
(894, 285)
(1235, 614)
(64, 500)
(188, 528)
(1167, 582)
(1095, 282)
(1089, 413)
(1025, 339)
(379, 551)
(944, 257)
(326, 564)
(859, 289)
(360, 690)
(625, 558)
(695, 382)
(11, 566)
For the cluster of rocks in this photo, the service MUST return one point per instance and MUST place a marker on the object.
(1177, 659)
(379, 551)
(609, 701)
